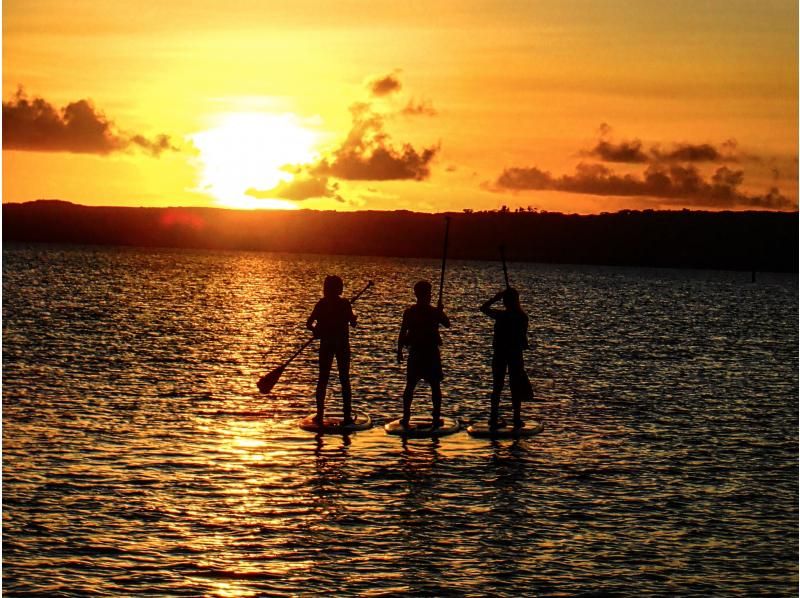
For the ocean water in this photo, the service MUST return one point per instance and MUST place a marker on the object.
(140, 459)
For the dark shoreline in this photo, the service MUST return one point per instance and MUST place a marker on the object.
(760, 241)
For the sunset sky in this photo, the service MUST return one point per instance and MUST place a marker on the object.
(572, 106)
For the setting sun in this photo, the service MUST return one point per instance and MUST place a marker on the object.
(251, 151)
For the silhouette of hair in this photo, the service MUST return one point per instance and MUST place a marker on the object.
(333, 286)
(511, 299)
(423, 288)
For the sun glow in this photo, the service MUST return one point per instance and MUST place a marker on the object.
(250, 151)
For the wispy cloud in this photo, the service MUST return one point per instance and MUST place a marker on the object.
(36, 125)
(420, 108)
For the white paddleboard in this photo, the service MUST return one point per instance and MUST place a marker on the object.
(332, 423)
(482, 430)
(420, 427)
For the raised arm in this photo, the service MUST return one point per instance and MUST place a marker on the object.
(487, 307)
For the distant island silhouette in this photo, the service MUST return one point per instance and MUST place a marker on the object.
(760, 241)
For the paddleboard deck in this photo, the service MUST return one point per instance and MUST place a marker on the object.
(420, 427)
(482, 430)
(332, 423)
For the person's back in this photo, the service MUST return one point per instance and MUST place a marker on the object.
(510, 331)
(333, 315)
(422, 327)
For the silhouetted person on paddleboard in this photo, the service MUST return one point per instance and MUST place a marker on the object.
(333, 316)
(510, 340)
(420, 332)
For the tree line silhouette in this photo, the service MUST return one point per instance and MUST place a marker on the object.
(764, 241)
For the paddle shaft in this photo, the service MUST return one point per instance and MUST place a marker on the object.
(505, 269)
(444, 258)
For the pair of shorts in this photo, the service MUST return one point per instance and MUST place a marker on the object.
(424, 365)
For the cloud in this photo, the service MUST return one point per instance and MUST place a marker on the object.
(632, 152)
(385, 85)
(161, 143)
(626, 151)
(36, 125)
(301, 188)
(421, 108)
(681, 185)
(689, 152)
(368, 155)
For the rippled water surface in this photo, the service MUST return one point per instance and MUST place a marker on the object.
(139, 457)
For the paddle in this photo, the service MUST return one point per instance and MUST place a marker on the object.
(505, 269)
(267, 381)
(444, 258)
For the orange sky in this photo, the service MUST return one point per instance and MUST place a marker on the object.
(573, 106)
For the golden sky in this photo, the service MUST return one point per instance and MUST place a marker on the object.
(563, 105)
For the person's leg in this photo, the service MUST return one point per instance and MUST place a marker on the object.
(520, 386)
(343, 364)
(498, 379)
(436, 399)
(408, 396)
(325, 362)
(411, 384)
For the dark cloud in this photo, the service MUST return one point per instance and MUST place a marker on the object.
(423, 107)
(155, 146)
(385, 85)
(299, 189)
(632, 152)
(682, 185)
(626, 151)
(689, 152)
(36, 125)
(367, 154)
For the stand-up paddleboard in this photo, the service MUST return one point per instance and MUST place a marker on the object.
(482, 430)
(332, 424)
(420, 427)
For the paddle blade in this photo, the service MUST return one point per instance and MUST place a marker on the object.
(267, 381)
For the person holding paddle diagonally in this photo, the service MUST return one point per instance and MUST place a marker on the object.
(420, 332)
(330, 321)
(510, 340)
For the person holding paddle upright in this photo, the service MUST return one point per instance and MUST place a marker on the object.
(510, 340)
(330, 321)
(420, 332)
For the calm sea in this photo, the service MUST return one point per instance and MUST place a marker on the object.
(140, 459)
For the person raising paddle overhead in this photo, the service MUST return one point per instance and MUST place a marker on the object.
(330, 321)
(510, 340)
(420, 332)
